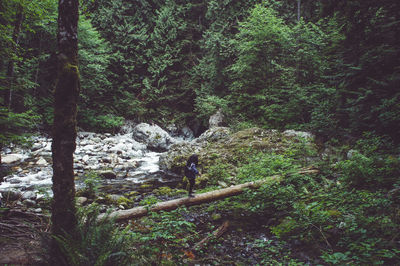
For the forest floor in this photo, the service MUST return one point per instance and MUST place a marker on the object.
(22, 237)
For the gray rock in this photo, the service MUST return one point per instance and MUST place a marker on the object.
(114, 197)
(12, 158)
(28, 195)
(108, 174)
(81, 200)
(350, 154)
(153, 136)
(11, 195)
(217, 119)
(187, 133)
(36, 146)
(300, 134)
(41, 162)
(14, 181)
(215, 134)
(29, 203)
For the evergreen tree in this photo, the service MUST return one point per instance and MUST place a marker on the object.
(63, 215)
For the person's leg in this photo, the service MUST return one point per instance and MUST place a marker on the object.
(191, 185)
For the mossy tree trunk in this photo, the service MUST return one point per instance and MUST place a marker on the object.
(64, 129)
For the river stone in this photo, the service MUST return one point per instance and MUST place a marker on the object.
(11, 194)
(28, 195)
(153, 136)
(12, 158)
(29, 203)
(14, 181)
(81, 200)
(187, 133)
(107, 174)
(36, 146)
(114, 197)
(41, 162)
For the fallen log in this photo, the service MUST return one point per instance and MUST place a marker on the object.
(197, 199)
(217, 233)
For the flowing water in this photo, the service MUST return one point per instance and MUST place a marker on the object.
(134, 167)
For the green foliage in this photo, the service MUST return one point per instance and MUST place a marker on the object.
(15, 126)
(275, 253)
(278, 72)
(263, 165)
(219, 171)
(92, 184)
(102, 123)
(373, 172)
(209, 105)
(101, 242)
(162, 237)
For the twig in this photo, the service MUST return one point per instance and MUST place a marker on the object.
(217, 233)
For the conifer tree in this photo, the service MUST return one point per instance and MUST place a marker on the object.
(64, 129)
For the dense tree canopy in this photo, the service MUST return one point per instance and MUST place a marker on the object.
(330, 67)
(335, 71)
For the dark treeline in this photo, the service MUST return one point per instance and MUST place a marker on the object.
(331, 67)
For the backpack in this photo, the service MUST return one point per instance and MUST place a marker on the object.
(189, 171)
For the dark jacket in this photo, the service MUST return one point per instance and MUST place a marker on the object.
(191, 171)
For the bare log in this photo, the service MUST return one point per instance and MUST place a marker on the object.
(217, 233)
(197, 199)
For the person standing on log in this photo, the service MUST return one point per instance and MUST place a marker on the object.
(191, 172)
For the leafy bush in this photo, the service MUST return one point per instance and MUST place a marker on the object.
(263, 165)
(373, 172)
(92, 184)
(13, 126)
(101, 242)
(104, 123)
(162, 238)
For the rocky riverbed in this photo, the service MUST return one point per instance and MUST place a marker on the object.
(124, 162)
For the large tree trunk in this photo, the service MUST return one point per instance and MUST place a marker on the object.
(198, 199)
(64, 129)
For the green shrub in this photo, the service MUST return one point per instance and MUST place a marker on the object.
(372, 172)
(100, 242)
(264, 165)
(89, 119)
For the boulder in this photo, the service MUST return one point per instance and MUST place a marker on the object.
(11, 195)
(220, 145)
(174, 160)
(217, 119)
(215, 134)
(29, 203)
(299, 134)
(41, 162)
(28, 195)
(12, 158)
(187, 133)
(153, 136)
(81, 200)
(108, 174)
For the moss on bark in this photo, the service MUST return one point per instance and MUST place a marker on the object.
(64, 129)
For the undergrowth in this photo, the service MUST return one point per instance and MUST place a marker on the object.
(348, 214)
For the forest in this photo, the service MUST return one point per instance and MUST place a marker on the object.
(309, 92)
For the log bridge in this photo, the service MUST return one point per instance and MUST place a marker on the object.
(197, 199)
